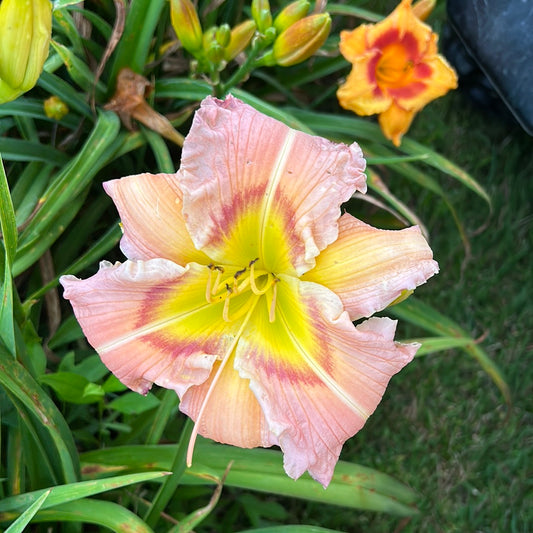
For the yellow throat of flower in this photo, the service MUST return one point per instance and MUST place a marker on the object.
(394, 67)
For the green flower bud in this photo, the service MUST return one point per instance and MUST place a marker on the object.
(26, 26)
(261, 14)
(302, 39)
(240, 38)
(186, 24)
(210, 37)
(55, 108)
(223, 35)
(291, 14)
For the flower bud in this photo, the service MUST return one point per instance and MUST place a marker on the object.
(291, 14)
(55, 108)
(186, 24)
(261, 14)
(223, 35)
(240, 38)
(423, 8)
(26, 26)
(302, 39)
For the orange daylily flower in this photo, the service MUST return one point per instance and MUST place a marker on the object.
(396, 70)
(241, 285)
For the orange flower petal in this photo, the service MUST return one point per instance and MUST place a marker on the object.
(396, 70)
(150, 208)
(394, 122)
(369, 268)
(360, 93)
(254, 188)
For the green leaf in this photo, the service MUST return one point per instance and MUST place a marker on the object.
(73, 388)
(9, 240)
(132, 403)
(22, 150)
(439, 344)
(65, 193)
(352, 485)
(33, 108)
(291, 529)
(60, 4)
(79, 71)
(29, 398)
(103, 513)
(19, 525)
(424, 316)
(75, 491)
(353, 11)
(57, 86)
(134, 46)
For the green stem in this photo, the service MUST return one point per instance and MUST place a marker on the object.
(242, 71)
(169, 486)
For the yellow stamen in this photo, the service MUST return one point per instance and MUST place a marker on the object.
(272, 310)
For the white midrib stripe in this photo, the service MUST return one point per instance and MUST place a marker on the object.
(273, 184)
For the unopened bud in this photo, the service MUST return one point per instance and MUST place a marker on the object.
(186, 24)
(291, 14)
(209, 37)
(423, 8)
(223, 35)
(55, 108)
(261, 14)
(240, 38)
(26, 26)
(302, 39)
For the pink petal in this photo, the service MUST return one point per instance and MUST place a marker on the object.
(150, 323)
(233, 414)
(369, 268)
(150, 208)
(254, 188)
(316, 376)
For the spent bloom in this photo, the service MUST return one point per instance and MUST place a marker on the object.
(241, 285)
(396, 70)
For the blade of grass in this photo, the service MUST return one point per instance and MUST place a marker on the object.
(134, 46)
(80, 72)
(9, 239)
(22, 150)
(439, 344)
(354, 11)
(16, 380)
(169, 486)
(88, 511)
(357, 129)
(30, 107)
(352, 485)
(58, 87)
(421, 314)
(76, 176)
(19, 525)
(75, 491)
(291, 529)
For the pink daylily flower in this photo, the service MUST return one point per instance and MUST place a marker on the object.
(241, 285)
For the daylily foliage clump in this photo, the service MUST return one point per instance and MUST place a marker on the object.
(242, 281)
(396, 70)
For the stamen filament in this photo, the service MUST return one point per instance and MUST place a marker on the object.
(223, 363)
(272, 310)
(208, 286)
